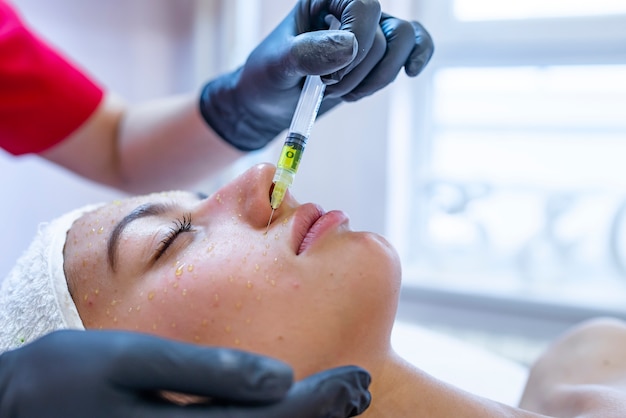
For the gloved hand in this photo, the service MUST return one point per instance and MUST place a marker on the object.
(77, 374)
(253, 104)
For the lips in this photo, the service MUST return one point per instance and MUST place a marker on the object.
(305, 217)
(311, 222)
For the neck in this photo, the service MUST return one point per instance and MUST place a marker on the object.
(401, 390)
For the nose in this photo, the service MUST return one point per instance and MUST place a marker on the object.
(248, 196)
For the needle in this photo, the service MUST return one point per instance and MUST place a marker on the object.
(270, 221)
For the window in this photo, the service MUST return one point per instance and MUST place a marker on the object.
(514, 184)
(469, 10)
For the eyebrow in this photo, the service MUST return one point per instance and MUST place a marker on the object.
(143, 211)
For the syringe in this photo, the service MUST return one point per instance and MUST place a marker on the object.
(299, 131)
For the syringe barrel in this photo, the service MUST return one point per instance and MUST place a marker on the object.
(308, 105)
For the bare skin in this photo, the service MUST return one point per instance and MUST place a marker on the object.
(582, 374)
(120, 146)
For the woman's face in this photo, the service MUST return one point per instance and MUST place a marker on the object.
(309, 291)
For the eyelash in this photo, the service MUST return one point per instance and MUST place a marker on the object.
(180, 226)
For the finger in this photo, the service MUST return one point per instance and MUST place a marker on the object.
(400, 42)
(356, 76)
(341, 392)
(321, 52)
(422, 51)
(149, 363)
(359, 17)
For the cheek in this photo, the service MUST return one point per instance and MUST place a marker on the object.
(214, 294)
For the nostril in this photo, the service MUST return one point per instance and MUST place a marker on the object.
(271, 191)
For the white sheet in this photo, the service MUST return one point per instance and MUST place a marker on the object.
(468, 367)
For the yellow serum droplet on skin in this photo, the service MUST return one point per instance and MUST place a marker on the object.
(179, 270)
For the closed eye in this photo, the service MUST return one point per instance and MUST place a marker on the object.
(181, 225)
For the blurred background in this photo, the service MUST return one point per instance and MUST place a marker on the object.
(498, 173)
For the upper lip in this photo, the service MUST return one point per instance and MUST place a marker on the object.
(303, 219)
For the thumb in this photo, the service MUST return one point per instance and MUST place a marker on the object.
(322, 52)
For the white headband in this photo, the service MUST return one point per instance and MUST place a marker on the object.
(34, 297)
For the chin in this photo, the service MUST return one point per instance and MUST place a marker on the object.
(375, 278)
(380, 249)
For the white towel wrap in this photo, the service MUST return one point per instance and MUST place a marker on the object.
(34, 298)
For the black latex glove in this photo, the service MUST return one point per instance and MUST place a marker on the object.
(252, 105)
(78, 374)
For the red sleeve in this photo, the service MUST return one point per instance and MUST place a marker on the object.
(43, 97)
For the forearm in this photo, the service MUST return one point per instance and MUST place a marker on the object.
(167, 144)
(148, 147)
